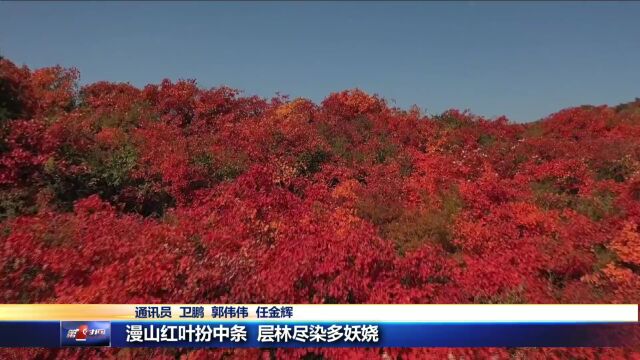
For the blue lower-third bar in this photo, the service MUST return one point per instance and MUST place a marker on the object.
(206, 334)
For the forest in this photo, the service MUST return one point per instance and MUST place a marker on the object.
(175, 193)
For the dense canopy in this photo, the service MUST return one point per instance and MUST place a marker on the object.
(177, 194)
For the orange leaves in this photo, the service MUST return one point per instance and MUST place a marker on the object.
(298, 109)
(619, 276)
(627, 244)
(622, 284)
(350, 103)
(346, 191)
(54, 88)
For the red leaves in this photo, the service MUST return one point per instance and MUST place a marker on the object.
(27, 148)
(178, 194)
(109, 97)
(54, 89)
(176, 102)
(16, 92)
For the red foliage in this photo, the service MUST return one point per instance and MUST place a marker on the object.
(178, 194)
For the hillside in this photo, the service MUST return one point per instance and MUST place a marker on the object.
(177, 194)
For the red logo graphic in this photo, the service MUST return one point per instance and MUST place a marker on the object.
(79, 334)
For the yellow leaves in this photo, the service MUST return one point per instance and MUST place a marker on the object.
(298, 106)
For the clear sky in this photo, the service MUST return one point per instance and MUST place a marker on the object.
(523, 60)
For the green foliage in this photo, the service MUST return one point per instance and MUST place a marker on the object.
(433, 224)
(553, 193)
(604, 256)
(15, 203)
(598, 206)
(511, 296)
(341, 147)
(486, 139)
(204, 161)
(449, 121)
(108, 173)
(349, 142)
(11, 105)
(548, 195)
(541, 194)
(114, 170)
(229, 171)
(124, 120)
(617, 171)
(363, 126)
(228, 166)
(385, 151)
(406, 165)
(379, 209)
(534, 130)
(310, 162)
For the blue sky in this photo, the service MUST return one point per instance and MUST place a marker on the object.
(523, 60)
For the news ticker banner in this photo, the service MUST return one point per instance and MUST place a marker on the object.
(301, 325)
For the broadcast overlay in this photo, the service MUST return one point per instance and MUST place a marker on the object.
(301, 325)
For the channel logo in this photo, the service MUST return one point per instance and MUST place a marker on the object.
(85, 333)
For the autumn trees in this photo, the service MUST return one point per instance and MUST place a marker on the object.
(177, 194)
